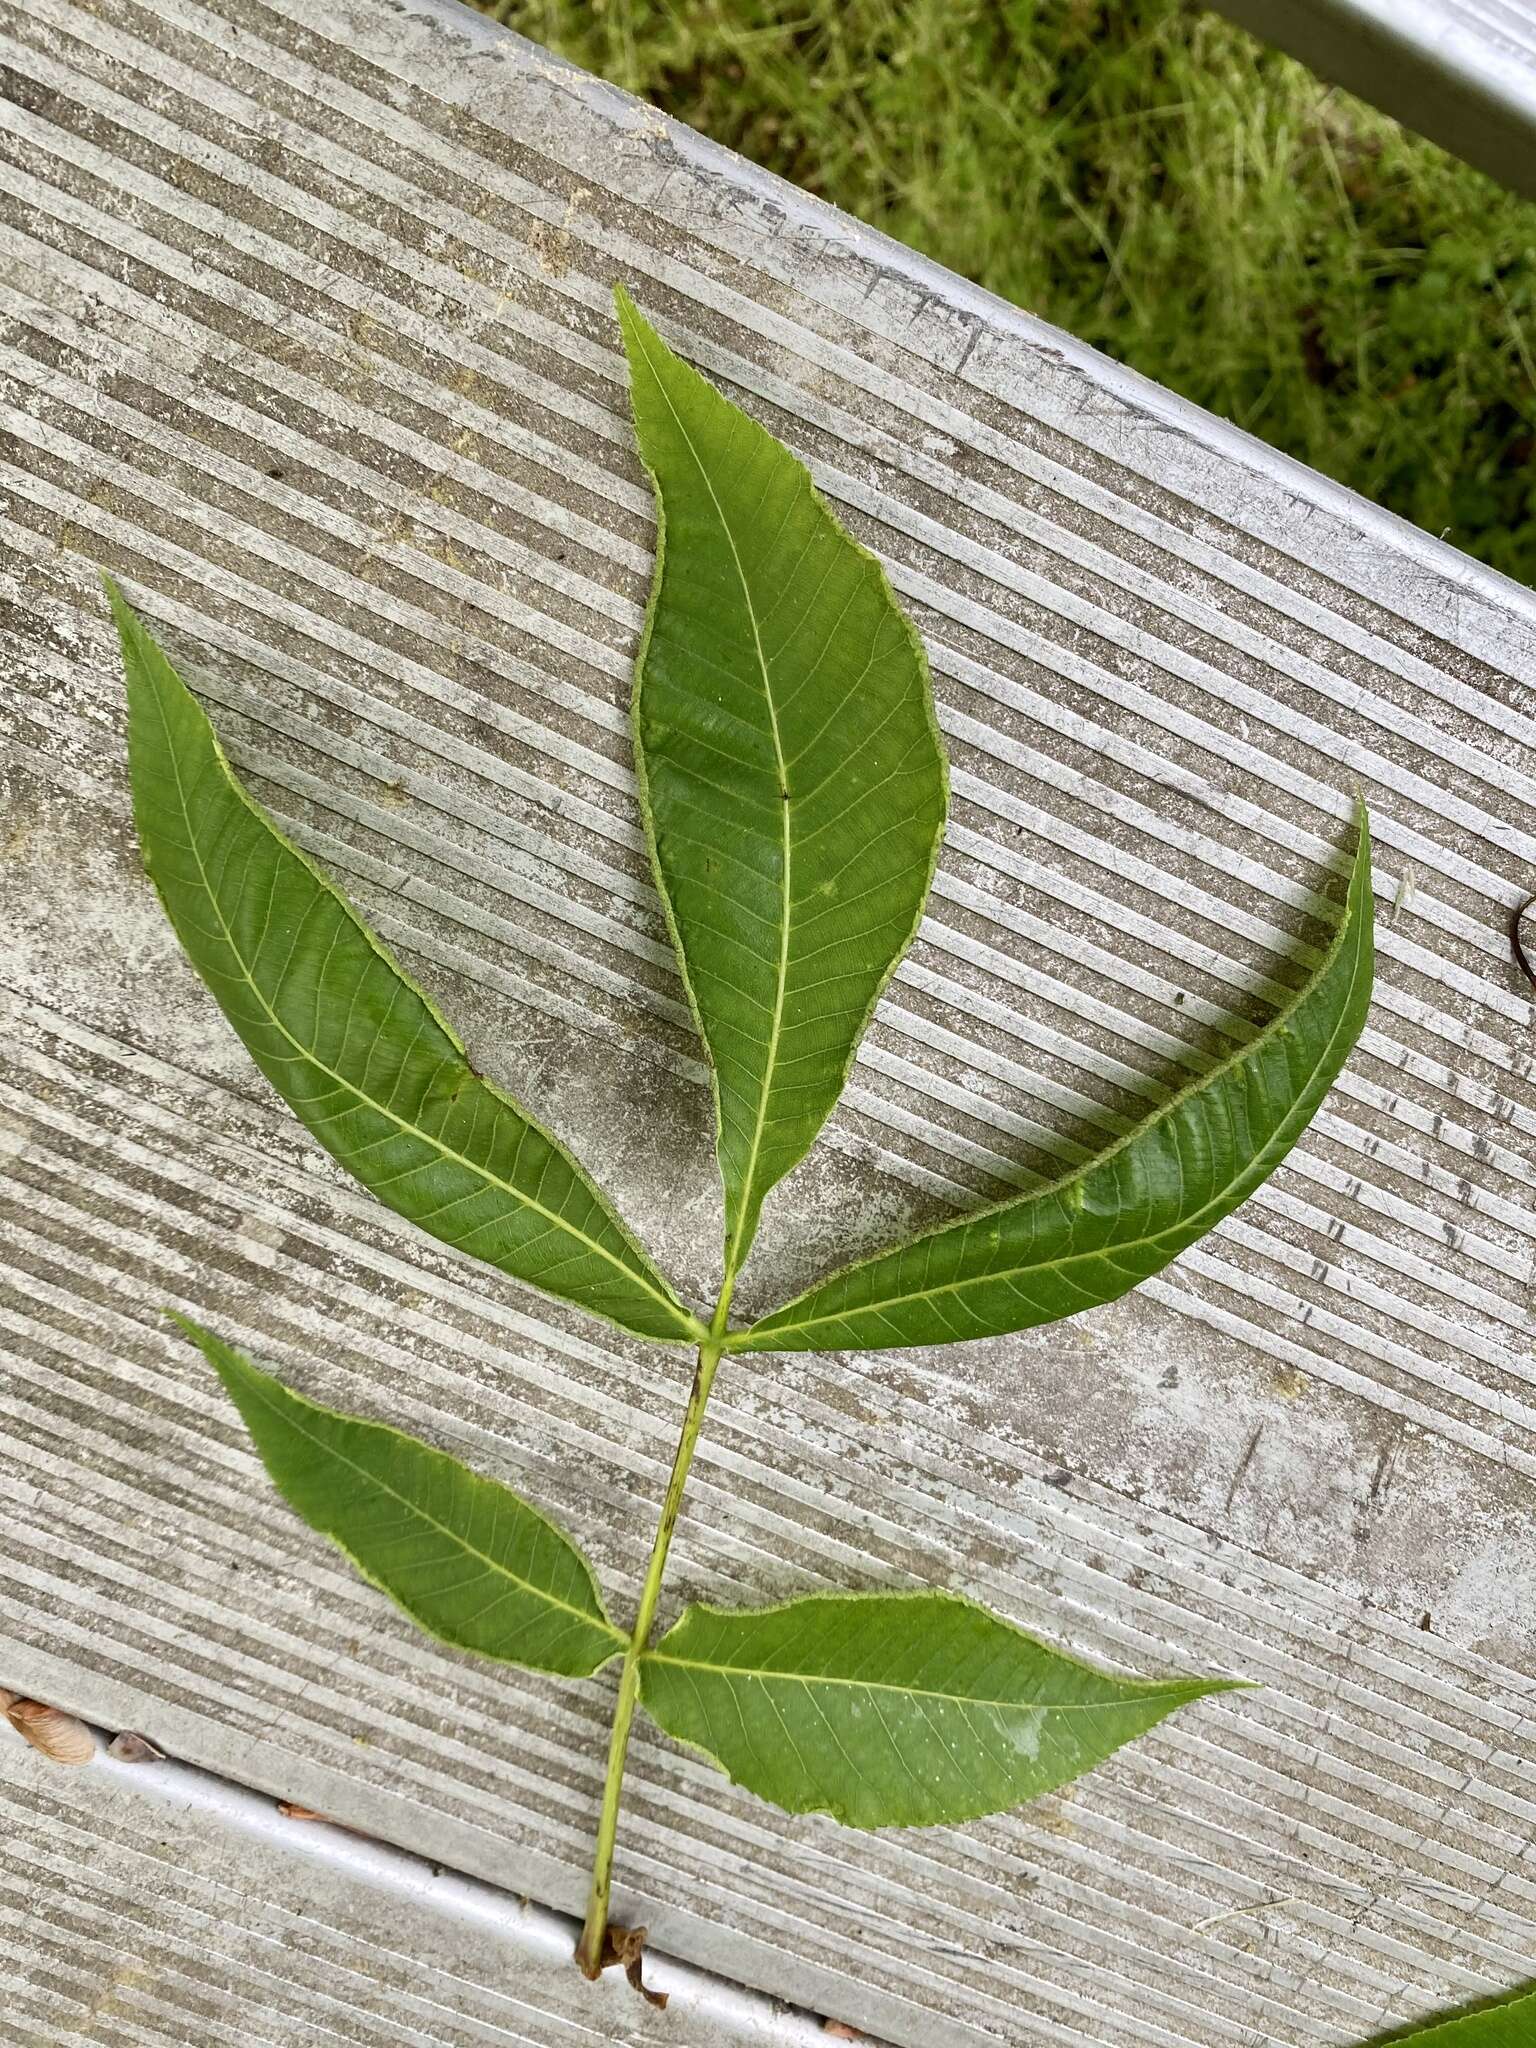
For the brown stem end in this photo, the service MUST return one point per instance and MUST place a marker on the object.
(622, 1948)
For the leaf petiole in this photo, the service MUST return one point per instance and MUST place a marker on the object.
(792, 786)
(591, 1949)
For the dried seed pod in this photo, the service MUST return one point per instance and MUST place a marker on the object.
(59, 1736)
(128, 1748)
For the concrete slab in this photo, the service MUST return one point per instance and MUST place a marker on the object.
(150, 1903)
(304, 325)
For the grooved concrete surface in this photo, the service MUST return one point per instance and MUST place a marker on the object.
(149, 1902)
(305, 331)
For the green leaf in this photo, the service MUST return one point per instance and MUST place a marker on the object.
(469, 1560)
(1099, 1231)
(349, 1042)
(1509, 2025)
(791, 774)
(892, 1709)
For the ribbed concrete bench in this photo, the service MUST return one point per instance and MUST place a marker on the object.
(168, 1905)
(1460, 71)
(307, 337)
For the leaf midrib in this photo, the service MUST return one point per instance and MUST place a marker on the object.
(733, 1254)
(295, 1422)
(1133, 1244)
(306, 1053)
(916, 1692)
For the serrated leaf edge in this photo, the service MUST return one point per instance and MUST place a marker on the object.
(740, 1340)
(1176, 1692)
(632, 319)
(1183, 1689)
(691, 1328)
(211, 1345)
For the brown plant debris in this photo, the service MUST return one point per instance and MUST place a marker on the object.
(128, 1748)
(625, 1947)
(53, 1733)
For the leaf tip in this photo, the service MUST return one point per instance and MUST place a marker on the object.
(1362, 817)
(124, 617)
(644, 348)
(630, 318)
(224, 1360)
(1188, 1691)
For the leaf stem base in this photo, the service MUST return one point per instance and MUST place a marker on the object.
(594, 1950)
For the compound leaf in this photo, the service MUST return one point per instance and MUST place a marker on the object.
(1099, 1231)
(791, 773)
(892, 1709)
(349, 1042)
(467, 1559)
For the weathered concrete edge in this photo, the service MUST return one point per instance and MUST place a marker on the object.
(259, 1773)
(522, 1940)
(1163, 411)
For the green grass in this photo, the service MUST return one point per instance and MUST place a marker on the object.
(1164, 187)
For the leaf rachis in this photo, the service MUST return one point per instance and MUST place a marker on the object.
(793, 789)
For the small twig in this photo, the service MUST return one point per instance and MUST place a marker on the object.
(1523, 934)
(1238, 1912)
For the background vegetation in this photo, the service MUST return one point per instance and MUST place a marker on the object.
(1163, 186)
